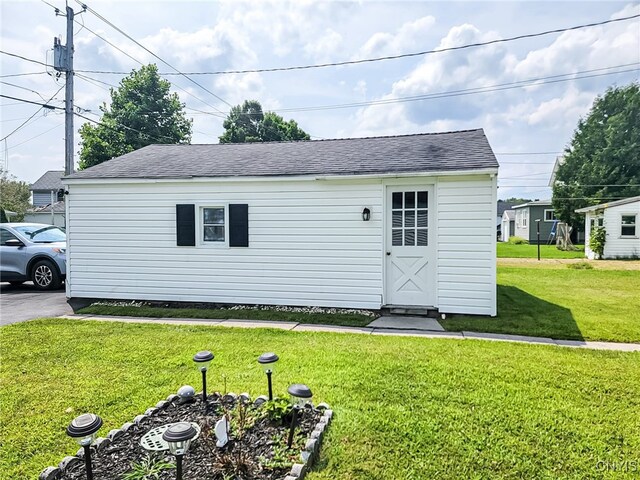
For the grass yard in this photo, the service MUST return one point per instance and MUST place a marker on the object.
(405, 408)
(508, 250)
(555, 301)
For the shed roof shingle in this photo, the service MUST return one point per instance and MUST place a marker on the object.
(450, 151)
(51, 180)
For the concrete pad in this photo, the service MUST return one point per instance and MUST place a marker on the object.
(331, 328)
(508, 338)
(258, 324)
(150, 320)
(408, 323)
(416, 333)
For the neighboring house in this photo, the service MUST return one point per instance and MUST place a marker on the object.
(525, 221)
(46, 214)
(508, 225)
(620, 221)
(47, 191)
(559, 161)
(356, 223)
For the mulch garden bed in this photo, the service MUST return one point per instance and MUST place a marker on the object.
(257, 447)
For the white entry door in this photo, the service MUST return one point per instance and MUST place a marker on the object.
(410, 272)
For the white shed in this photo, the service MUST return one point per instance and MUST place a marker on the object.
(620, 221)
(356, 223)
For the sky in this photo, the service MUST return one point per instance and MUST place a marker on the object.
(559, 74)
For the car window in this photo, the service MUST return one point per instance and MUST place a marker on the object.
(42, 234)
(5, 235)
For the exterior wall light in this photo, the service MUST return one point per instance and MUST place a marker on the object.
(83, 430)
(268, 361)
(203, 360)
(300, 396)
(178, 437)
(366, 214)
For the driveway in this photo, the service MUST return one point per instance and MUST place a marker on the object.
(24, 302)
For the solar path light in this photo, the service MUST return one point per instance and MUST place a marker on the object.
(178, 436)
(300, 395)
(83, 430)
(203, 360)
(268, 361)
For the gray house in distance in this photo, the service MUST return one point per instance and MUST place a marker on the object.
(526, 216)
(47, 200)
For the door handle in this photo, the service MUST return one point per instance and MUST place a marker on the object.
(388, 253)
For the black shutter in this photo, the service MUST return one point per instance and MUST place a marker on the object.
(186, 225)
(238, 225)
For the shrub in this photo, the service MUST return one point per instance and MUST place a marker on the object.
(518, 241)
(597, 240)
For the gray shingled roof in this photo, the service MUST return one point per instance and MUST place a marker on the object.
(602, 206)
(451, 151)
(51, 180)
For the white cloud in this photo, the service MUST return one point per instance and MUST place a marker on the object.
(324, 48)
(408, 36)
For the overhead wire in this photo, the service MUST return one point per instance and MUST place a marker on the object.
(32, 116)
(403, 55)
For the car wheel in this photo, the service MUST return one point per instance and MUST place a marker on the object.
(45, 276)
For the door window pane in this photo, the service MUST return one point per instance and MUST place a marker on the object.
(423, 237)
(409, 199)
(396, 240)
(409, 237)
(422, 199)
(397, 200)
(397, 219)
(423, 218)
(409, 218)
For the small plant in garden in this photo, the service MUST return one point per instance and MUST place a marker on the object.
(277, 409)
(580, 266)
(242, 418)
(518, 241)
(283, 457)
(149, 468)
(597, 240)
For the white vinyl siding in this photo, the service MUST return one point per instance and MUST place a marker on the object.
(616, 245)
(308, 244)
(466, 245)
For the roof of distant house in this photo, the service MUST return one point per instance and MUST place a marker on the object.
(58, 207)
(535, 203)
(602, 206)
(434, 152)
(51, 180)
(511, 214)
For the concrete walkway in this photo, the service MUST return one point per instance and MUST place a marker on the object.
(397, 330)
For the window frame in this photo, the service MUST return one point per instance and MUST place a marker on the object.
(634, 225)
(553, 213)
(201, 242)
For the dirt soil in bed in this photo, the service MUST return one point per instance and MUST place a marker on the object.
(256, 449)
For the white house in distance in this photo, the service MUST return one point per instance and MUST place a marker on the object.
(508, 225)
(47, 199)
(620, 221)
(355, 223)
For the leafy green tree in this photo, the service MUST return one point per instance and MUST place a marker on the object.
(142, 112)
(15, 195)
(248, 123)
(602, 162)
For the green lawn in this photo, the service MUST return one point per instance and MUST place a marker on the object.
(562, 303)
(345, 319)
(508, 250)
(405, 408)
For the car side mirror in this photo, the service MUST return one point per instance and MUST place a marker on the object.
(14, 242)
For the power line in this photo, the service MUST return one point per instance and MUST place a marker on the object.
(153, 54)
(23, 58)
(34, 114)
(44, 105)
(34, 137)
(22, 74)
(404, 55)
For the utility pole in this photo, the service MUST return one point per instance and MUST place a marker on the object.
(63, 62)
(68, 98)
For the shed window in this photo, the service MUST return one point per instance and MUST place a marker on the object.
(597, 222)
(213, 223)
(409, 219)
(628, 227)
(549, 215)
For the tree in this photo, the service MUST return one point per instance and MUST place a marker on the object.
(602, 162)
(15, 195)
(142, 112)
(247, 123)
